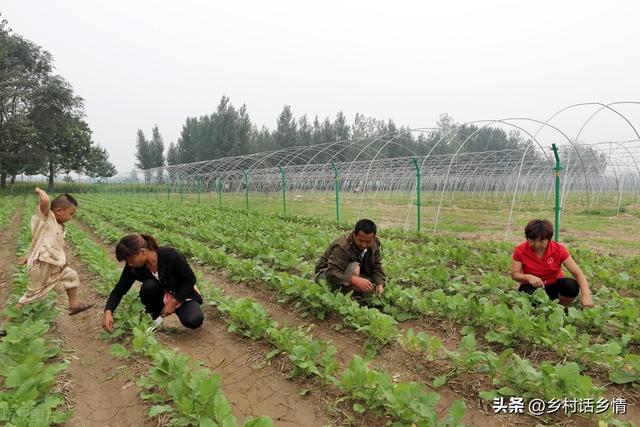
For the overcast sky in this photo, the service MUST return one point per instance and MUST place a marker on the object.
(140, 63)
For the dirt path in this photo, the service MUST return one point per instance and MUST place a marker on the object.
(103, 387)
(8, 243)
(346, 341)
(252, 387)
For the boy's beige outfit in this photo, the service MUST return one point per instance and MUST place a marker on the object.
(47, 262)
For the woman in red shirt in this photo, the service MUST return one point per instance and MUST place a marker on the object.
(538, 263)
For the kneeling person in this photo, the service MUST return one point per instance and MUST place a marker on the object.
(538, 262)
(168, 283)
(353, 262)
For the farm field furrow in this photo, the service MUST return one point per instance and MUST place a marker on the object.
(112, 214)
(490, 305)
(357, 364)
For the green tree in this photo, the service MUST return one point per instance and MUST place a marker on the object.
(286, 129)
(150, 153)
(41, 119)
(98, 164)
(226, 132)
(305, 131)
(327, 132)
(262, 140)
(173, 156)
(188, 145)
(143, 154)
(63, 138)
(341, 128)
(156, 148)
(444, 139)
(156, 151)
(23, 66)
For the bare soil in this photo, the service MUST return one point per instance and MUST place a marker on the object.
(103, 388)
(346, 341)
(252, 386)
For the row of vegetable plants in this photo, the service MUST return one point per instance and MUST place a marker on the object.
(176, 385)
(379, 328)
(506, 374)
(492, 255)
(518, 366)
(404, 403)
(30, 359)
(513, 317)
(8, 205)
(433, 265)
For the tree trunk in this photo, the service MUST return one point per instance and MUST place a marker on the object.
(13, 180)
(3, 180)
(50, 187)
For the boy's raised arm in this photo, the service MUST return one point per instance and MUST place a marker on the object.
(44, 201)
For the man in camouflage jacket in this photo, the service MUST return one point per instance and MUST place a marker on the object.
(353, 262)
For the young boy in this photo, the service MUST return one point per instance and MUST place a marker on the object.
(46, 261)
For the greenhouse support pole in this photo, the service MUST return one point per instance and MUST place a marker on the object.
(169, 189)
(220, 191)
(284, 190)
(246, 188)
(336, 175)
(418, 190)
(557, 170)
(181, 189)
(198, 188)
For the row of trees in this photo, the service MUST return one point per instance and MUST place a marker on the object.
(150, 153)
(42, 126)
(229, 132)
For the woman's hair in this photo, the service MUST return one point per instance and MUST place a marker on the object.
(132, 244)
(539, 229)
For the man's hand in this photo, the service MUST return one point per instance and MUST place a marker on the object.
(107, 321)
(361, 284)
(379, 288)
(535, 281)
(586, 300)
(169, 308)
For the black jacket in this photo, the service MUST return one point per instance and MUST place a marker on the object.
(176, 277)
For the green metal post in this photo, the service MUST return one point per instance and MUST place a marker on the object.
(169, 188)
(246, 188)
(284, 190)
(220, 191)
(181, 187)
(336, 176)
(418, 190)
(557, 170)
(198, 188)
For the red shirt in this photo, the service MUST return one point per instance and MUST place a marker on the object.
(549, 267)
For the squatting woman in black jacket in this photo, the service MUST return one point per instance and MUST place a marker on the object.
(168, 283)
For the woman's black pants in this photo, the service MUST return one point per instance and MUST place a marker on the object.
(152, 295)
(565, 287)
